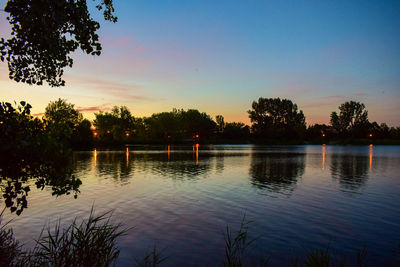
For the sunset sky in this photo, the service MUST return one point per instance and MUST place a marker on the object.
(219, 56)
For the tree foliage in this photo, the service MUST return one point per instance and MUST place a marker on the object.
(62, 112)
(275, 117)
(220, 122)
(236, 130)
(114, 126)
(178, 125)
(30, 152)
(45, 33)
(353, 118)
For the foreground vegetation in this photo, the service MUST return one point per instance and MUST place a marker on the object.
(93, 242)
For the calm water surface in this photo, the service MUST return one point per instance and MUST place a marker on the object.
(182, 198)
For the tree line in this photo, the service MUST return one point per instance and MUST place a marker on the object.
(272, 120)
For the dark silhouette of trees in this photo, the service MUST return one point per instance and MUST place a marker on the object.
(27, 152)
(177, 126)
(165, 126)
(276, 118)
(220, 123)
(82, 136)
(64, 123)
(352, 119)
(62, 112)
(198, 124)
(320, 133)
(45, 33)
(236, 131)
(116, 126)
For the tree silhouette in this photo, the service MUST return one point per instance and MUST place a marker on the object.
(220, 123)
(45, 33)
(353, 118)
(29, 152)
(114, 126)
(275, 117)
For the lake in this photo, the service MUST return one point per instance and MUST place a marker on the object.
(181, 198)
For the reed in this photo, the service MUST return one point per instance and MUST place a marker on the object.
(92, 242)
(10, 249)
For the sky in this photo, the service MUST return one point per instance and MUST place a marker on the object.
(219, 56)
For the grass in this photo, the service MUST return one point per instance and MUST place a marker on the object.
(237, 246)
(152, 258)
(10, 249)
(90, 243)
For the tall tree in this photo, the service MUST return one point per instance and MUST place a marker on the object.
(275, 117)
(353, 117)
(61, 121)
(43, 35)
(220, 123)
(62, 112)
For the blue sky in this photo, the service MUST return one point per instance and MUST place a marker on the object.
(219, 56)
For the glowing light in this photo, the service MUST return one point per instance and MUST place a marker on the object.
(169, 152)
(127, 134)
(323, 156)
(108, 131)
(370, 135)
(95, 134)
(323, 135)
(197, 136)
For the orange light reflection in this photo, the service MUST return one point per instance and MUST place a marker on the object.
(95, 157)
(169, 152)
(371, 148)
(323, 156)
(197, 154)
(127, 156)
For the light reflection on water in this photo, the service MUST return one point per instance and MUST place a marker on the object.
(181, 198)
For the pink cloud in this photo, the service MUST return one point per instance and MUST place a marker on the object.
(110, 88)
(104, 107)
(360, 94)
